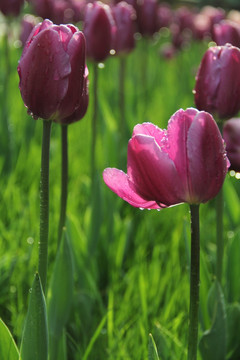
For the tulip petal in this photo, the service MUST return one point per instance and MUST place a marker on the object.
(151, 130)
(177, 133)
(46, 54)
(207, 159)
(152, 172)
(72, 99)
(119, 183)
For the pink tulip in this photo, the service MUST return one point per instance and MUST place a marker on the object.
(51, 70)
(231, 135)
(217, 88)
(185, 163)
(98, 30)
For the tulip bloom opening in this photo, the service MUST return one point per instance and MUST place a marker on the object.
(185, 163)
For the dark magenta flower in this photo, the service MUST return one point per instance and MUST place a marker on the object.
(226, 32)
(231, 135)
(217, 88)
(81, 110)
(51, 70)
(42, 8)
(124, 16)
(185, 163)
(98, 30)
(147, 17)
(11, 7)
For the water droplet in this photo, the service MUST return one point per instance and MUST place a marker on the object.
(30, 240)
(141, 208)
(30, 290)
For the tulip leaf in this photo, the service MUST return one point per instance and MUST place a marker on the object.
(232, 201)
(233, 270)
(212, 345)
(60, 292)
(152, 349)
(8, 348)
(233, 317)
(34, 343)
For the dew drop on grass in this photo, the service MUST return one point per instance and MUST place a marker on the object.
(30, 290)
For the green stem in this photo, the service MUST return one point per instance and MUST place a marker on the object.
(94, 119)
(44, 204)
(62, 219)
(219, 233)
(194, 283)
(122, 74)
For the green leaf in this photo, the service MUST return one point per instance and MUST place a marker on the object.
(152, 349)
(8, 348)
(233, 270)
(60, 293)
(35, 333)
(233, 317)
(232, 201)
(212, 345)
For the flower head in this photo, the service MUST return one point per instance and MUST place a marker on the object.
(231, 135)
(51, 70)
(185, 163)
(217, 88)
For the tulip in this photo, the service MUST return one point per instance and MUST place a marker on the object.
(42, 8)
(231, 135)
(147, 17)
(226, 32)
(51, 70)
(98, 30)
(124, 16)
(185, 163)
(11, 7)
(217, 88)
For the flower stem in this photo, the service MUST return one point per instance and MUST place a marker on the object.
(94, 118)
(219, 233)
(44, 204)
(194, 283)
(62, 218)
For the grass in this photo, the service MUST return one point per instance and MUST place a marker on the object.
(131, 267)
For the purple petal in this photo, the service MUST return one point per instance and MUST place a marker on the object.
(152, 172)
(119, 183)
(207, 158)
(151, 130)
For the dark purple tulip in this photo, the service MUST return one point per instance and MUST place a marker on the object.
(124, 16)
(51, 70)
(147, 17)
(11, 7)
(81, 110)
(226, 32)
(42, 8)
(217, 88)
(231, 135)
(98, 30)
(27, 25)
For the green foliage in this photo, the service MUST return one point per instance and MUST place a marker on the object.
(34, 343)
(8, 348)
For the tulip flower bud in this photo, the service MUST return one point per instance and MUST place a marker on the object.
(231, 135)
(147, 17)
(226, 32)
(124, 16)
(217, 88)
(11, 7)
(185, 163)
(98, 30)
(51, 70)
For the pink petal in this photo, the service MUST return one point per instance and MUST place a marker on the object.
(152, 172)
(207, 158)
(177, 132)
(151, 130)
(119, 183)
